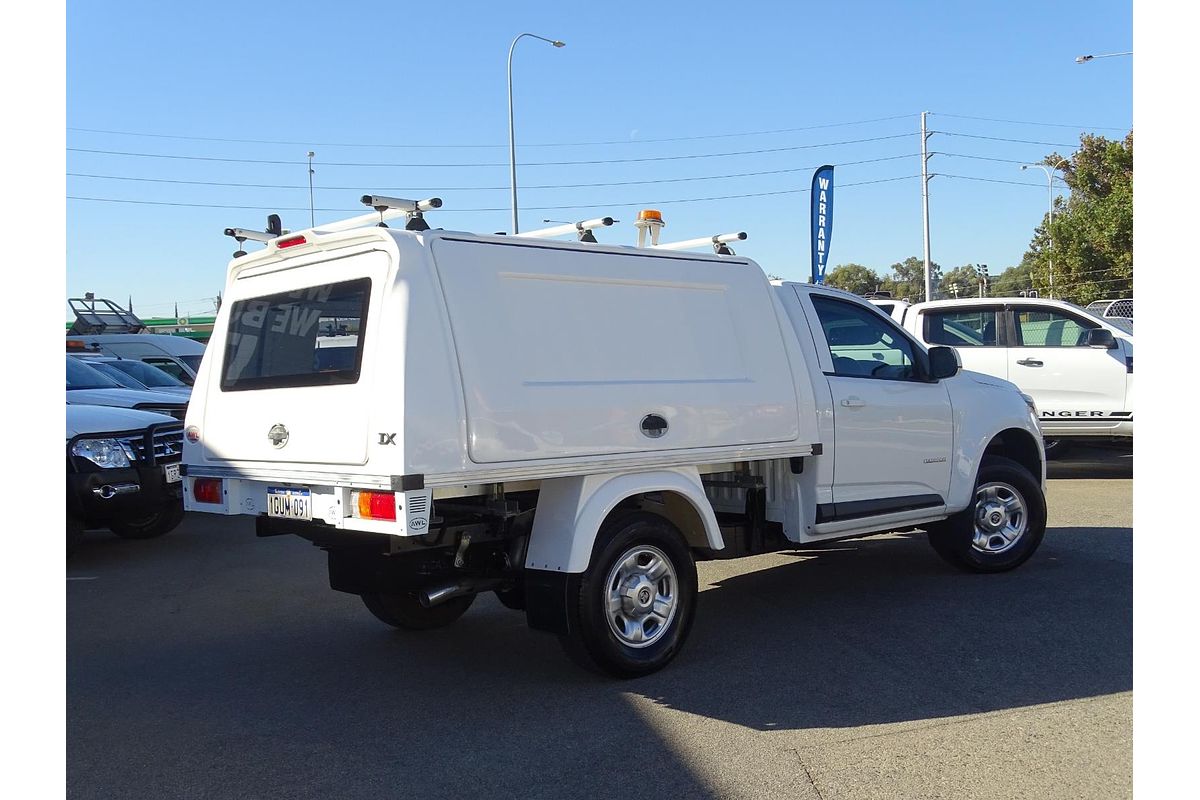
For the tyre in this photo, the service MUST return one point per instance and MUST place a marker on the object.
(74, 533)
(148, 526)
(635, 603)
(405, 611)
(1001, 528)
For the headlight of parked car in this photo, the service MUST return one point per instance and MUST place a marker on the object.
(104, 453)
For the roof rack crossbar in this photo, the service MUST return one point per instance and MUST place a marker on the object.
(719, 243)
(582, 228)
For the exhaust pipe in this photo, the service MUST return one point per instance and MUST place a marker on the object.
(440, 594)
(109, 491)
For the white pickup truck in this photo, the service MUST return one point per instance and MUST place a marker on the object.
(573, 425)
(1077, 365)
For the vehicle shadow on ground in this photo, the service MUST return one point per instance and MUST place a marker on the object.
(295, 691)
(1092, 462)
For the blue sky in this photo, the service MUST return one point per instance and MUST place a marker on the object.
(419, 91)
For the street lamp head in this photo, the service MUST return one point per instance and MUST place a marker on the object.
(1082, 59)
(557, 43)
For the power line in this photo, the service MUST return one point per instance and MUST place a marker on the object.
(485, 188)
(1002, 139)
(480, 210)
(644, 159)
(1028, 122)
(478, 146)
(991, 180)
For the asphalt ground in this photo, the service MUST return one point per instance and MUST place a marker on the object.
(211, 664)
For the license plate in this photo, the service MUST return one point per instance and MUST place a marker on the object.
(289, 503)
(171, 473)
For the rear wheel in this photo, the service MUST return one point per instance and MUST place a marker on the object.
(406, 612)
(635, 603)
(148, 526)
(1001, 528)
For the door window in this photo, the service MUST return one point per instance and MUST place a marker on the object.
(863, 344)
(1040, 327)
(962, 327)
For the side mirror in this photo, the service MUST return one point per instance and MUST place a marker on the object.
(1101, 337)
(943, 362)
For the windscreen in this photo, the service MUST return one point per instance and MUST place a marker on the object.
(81, 376)
(284, 339)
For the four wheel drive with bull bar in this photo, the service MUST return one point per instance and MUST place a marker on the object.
(573, 425)
(123, 472)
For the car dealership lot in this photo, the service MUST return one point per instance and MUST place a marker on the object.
(210, 663)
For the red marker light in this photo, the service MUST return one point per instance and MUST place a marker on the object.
(207, 490)
(291, 241)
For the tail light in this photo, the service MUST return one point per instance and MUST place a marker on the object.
(376, 505)
(207, 490)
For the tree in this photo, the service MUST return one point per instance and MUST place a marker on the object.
(1092, 233)
(909, 278)
(853, 278)
(959, 282)
(1014, 280)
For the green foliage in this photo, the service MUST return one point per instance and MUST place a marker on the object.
(964, 279)
(853, 278)
(1013, 280)
(1090, 243)
(908, 279)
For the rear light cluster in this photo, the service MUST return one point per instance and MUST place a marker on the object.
(207, 490)
(374, 505)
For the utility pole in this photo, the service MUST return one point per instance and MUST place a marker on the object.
(312, 214)
(925, 204)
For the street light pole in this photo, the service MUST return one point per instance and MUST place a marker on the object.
(1050, 224)
(512, 143)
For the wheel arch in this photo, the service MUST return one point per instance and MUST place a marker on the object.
(570, 512)
(1022, 447)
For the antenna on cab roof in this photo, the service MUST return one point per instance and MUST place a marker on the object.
(413, 209)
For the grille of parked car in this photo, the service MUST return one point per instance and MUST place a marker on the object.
(168, 445)
(178, 412)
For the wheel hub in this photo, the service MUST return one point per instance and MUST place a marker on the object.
(1000, 518)
(641, 596)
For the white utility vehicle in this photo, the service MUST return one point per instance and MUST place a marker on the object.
(1077, 366)
(572, 425)
(102, 327)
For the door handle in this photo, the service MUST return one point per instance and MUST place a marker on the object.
(853, 402)
(1029, 362)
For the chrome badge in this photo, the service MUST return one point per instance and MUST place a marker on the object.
(278, 435)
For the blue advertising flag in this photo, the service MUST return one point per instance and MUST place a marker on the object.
(822, 220)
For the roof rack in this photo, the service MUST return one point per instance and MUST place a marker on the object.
(583, 229)
(649, 224)
(107, 318)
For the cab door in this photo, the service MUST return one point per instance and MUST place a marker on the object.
(975, 331)
(893, 429)
(1049, 358)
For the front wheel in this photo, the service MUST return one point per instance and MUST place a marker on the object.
(1001, 528)
(148, 526)
(635, 603)
(406, 612)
